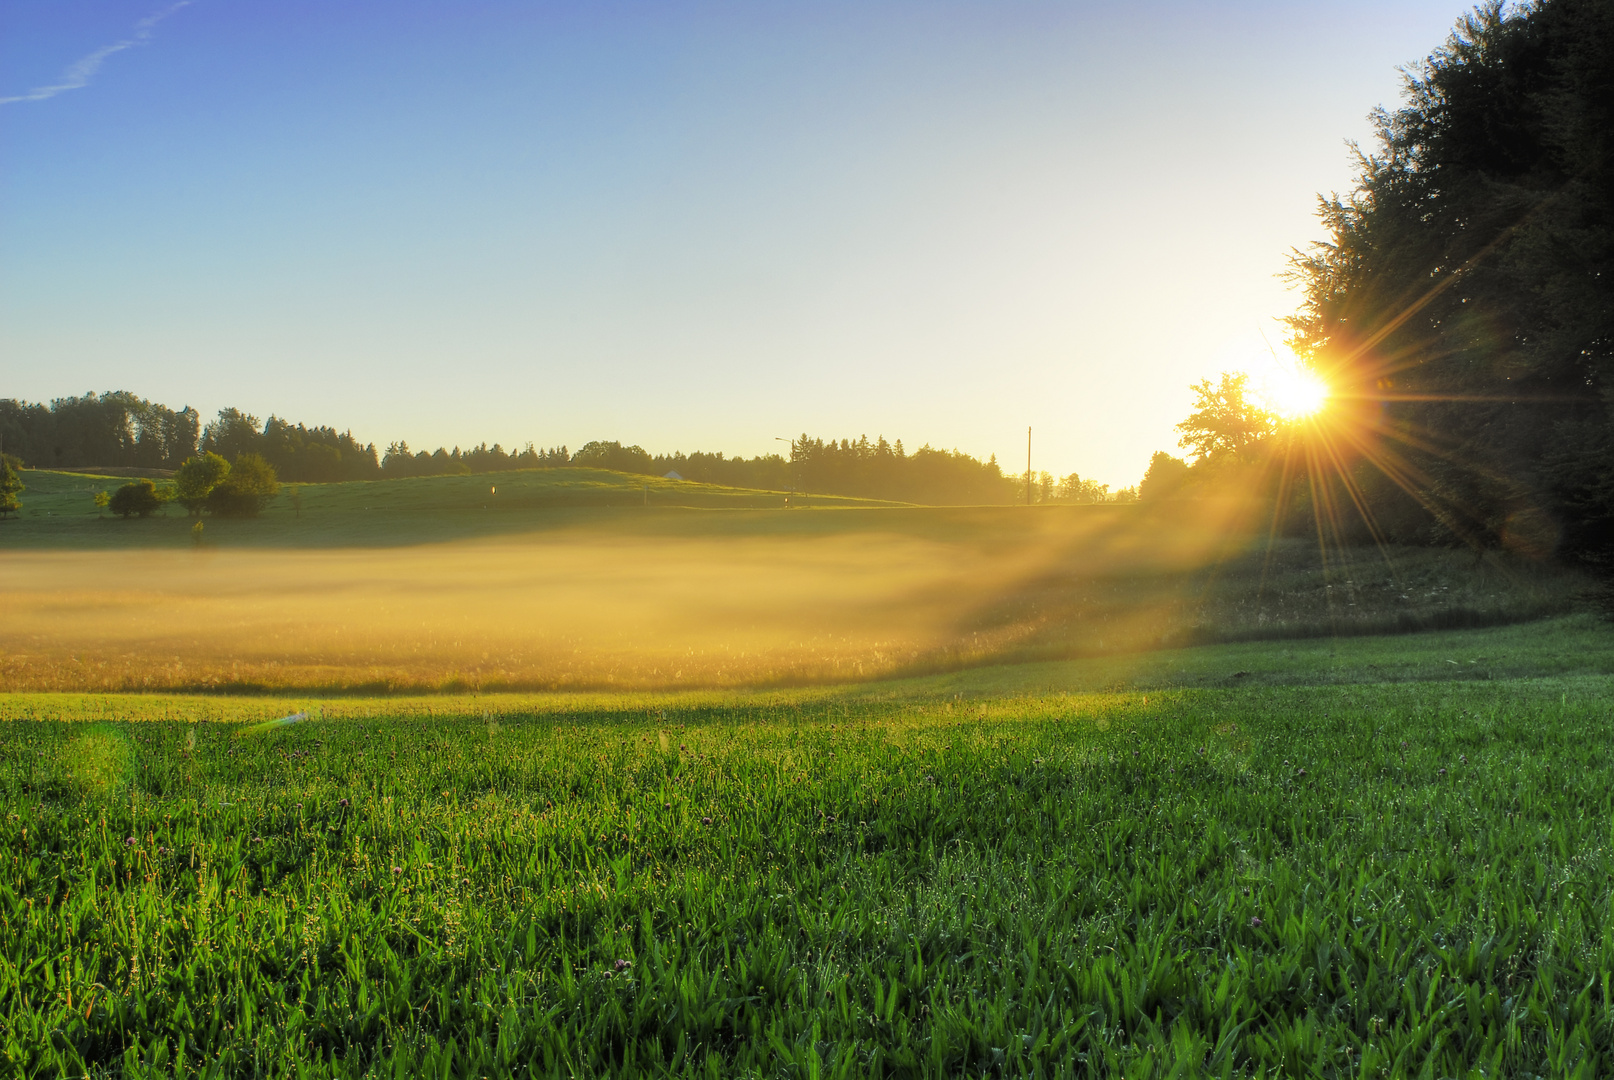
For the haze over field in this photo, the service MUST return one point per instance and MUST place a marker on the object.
(615, 604)
(670, 597)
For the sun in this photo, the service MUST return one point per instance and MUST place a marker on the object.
(1292, 391)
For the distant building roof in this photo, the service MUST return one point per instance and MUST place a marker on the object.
(671, 476)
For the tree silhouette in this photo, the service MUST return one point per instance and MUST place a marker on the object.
(1225, 422)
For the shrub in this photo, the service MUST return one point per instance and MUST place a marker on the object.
(139, 498)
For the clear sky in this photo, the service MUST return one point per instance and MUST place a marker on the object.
(686, 225)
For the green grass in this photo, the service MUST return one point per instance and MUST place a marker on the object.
(1355, 859)
(59, 509)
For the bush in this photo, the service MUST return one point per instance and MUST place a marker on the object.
(246, 490)
(139, 498)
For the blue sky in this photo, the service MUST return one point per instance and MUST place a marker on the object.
(690, 226)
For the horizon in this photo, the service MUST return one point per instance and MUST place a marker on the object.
(700, 227)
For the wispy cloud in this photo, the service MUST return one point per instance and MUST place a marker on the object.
(79, 75)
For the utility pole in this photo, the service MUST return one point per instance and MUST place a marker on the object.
(1028, 466)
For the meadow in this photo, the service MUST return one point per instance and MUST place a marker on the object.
(401, 779)
(59, 512)
(446, 585)
(1355, 858)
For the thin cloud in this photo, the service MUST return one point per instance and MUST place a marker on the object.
(79, 75)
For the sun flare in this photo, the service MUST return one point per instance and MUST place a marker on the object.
(1293, 392)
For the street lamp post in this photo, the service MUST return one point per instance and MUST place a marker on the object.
(792, 499)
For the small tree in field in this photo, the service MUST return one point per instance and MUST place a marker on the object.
(103, 499)
(138, 498)
(196, 478)
(10, 487)
(250, 485)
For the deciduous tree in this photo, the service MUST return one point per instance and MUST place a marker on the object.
(1165, 477)
(1226, 422)
(195, 480)
(247, 489)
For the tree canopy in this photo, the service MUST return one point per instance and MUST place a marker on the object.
(1462, 306)
(196, 478)
(245, 489)
(1226, 422)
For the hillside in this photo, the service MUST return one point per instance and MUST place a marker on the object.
(59, 509)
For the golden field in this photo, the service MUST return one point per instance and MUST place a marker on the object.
(712, 598)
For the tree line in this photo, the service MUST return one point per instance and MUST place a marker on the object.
(121, 430)
(875, 469)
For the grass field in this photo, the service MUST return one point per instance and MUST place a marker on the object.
(1370, 857)
(411, 586)
(59, 511)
